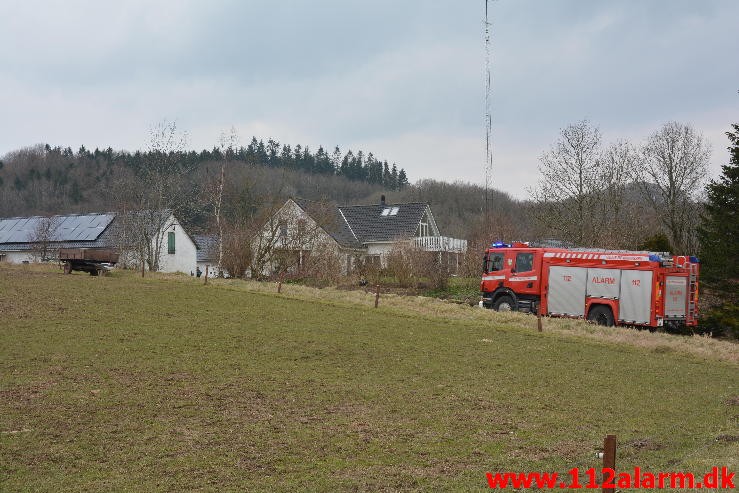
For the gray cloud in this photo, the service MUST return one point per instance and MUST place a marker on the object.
(401, 79)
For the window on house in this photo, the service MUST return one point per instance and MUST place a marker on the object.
(423, 229)
(283, 228)
(301, 227)
(385, 211)
(394, 211)
(170, 242)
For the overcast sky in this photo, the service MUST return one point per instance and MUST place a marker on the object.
(404, 80)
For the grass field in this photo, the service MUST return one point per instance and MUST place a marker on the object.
(119, 383)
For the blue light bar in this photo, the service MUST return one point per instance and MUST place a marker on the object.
(655, 258)
(500, 244)
(694, 260)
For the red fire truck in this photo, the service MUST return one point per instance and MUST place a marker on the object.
(604, 286)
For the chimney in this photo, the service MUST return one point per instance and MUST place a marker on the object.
(382, 200)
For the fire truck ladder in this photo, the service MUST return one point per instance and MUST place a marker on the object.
(692, 290)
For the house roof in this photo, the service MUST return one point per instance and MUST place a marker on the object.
(353, 226)
(383, 222)
(67, 231)
(72, 227)
(335, 224)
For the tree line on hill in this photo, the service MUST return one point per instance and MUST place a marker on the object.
(43, 163)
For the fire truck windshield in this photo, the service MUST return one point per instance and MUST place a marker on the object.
(493, 262)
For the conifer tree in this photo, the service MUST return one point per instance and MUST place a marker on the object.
(719, 233)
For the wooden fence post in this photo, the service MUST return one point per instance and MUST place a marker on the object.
(207, 268)
(609, 458)
(377, 295)
(143, 267)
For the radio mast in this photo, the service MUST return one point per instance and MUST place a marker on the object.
(488, 121)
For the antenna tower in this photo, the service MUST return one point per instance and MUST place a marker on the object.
(488, 121)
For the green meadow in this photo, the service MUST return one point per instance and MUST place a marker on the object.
(118, 383)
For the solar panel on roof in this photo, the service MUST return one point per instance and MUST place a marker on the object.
(67, 228)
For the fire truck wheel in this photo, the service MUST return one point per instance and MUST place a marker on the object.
(601, 315)
(504, 304)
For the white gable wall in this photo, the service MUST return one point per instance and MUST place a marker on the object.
(185, 257)
(17, 257)
(311, 238)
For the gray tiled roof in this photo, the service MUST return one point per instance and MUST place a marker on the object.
(207, 245)
(356, 225)
(368, 223)
(335, 225)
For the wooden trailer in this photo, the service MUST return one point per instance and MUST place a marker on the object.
(96, 261)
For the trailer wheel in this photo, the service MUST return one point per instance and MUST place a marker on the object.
(504, 304)
(601, 315)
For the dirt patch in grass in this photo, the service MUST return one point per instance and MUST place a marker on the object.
(23, 394)
(645, 444)
(727, 438)
(567, 449)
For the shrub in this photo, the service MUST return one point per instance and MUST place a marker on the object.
(721, 321)
(402, 262)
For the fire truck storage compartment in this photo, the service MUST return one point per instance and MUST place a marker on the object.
(604, 283)
(567, 290)
(636, 296)
(675, 294)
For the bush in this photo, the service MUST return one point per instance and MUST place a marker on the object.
(402, 263)
(721, 321)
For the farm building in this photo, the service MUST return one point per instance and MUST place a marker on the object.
(207, 256)
(356, 233)
(38, 238)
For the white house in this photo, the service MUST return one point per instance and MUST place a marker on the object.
(28, 239)
(352, 232)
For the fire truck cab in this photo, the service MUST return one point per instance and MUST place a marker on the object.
(604, 286)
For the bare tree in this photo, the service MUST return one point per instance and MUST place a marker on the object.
(147, 201)
(229, 146)
(43, 233)
(675, 163)
(570, 178)
(618, 164)
(237, 253)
